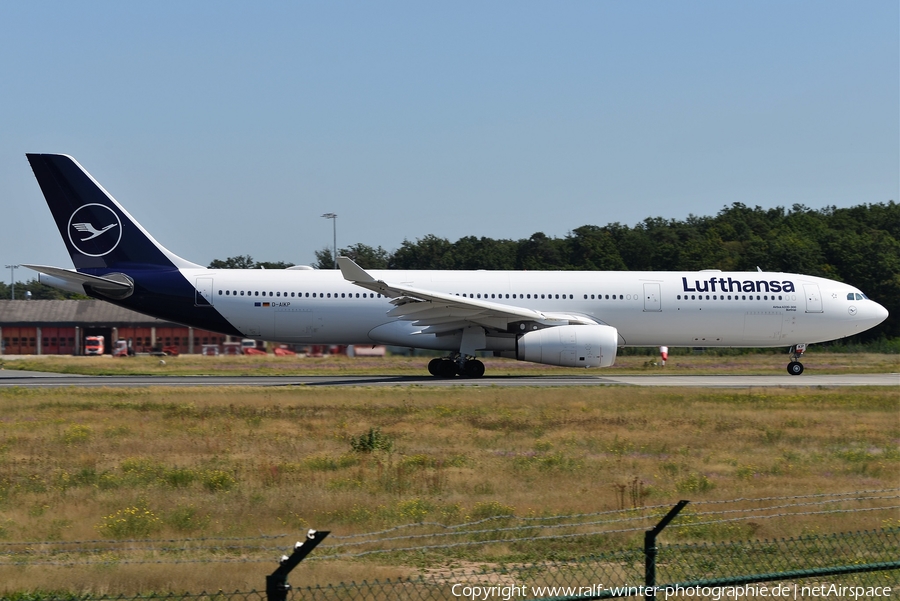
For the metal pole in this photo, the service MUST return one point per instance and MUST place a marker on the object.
(650, 551)
(277, 586)
(12, 279)
(333, 217)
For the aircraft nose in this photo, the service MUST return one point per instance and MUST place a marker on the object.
(880, 313)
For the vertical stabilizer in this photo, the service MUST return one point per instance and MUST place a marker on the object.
(96, 230)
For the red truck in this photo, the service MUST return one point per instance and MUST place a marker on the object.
(93, 345)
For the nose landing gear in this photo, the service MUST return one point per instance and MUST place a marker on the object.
(795, 368)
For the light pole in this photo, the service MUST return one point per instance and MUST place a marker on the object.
(12, 279)
(333, 217)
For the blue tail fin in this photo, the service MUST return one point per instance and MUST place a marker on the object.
(97, 231)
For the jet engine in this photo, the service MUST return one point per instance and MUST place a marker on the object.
(569, 346)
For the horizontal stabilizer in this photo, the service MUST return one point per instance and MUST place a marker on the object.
(112, 285)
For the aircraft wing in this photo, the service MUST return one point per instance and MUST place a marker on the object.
(439, 312)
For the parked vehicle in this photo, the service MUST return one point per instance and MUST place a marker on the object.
(93, 345)
(120, 349)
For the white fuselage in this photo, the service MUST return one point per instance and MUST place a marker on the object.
(706, 308)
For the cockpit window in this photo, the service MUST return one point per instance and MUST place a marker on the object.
(860, 296)
(849, 296)
(856, 296)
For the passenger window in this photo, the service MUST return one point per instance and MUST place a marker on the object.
(220, 293)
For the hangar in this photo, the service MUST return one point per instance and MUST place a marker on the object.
(58, 327)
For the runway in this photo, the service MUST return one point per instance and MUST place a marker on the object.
(25, 379)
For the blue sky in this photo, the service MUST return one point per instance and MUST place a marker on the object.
(229, 128)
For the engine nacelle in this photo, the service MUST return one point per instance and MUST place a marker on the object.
(569, 346)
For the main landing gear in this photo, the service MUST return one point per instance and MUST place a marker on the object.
(795, 368)
(450, 367)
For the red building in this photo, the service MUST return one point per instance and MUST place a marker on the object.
(58, 327)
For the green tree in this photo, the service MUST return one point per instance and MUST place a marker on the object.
(324, 259)
(429, 252)
(238, 262)
(366, 257)
(247, 262)
(593, 248)
(273, 264)
(541, 252)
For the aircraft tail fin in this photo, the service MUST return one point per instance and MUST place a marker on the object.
(97, 231)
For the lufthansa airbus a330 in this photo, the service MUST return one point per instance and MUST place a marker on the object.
(567, 318)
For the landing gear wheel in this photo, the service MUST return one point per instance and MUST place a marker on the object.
(442, 368)
(473, 369)
(795, 368)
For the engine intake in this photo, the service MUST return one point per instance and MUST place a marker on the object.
(569, 346)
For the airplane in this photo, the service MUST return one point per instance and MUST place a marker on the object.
(564, 318)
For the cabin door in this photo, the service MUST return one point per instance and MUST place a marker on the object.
(651, 297)
(203, 295)
(813, 298)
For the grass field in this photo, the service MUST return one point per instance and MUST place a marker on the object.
(120, 464)
(758, 363)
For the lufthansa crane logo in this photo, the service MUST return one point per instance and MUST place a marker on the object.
(95, 230)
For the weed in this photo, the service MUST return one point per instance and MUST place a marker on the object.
(489, 509)
(76, 434)
(414, 510)
(179, 477)
(187, 518)
(694, 483)
(218, 480)
(371, 441)
(324, 463)
(132, 522)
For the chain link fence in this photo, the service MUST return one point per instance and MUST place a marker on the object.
(867, 559)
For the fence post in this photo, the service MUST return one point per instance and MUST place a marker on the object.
(650, 551)
(277, 585)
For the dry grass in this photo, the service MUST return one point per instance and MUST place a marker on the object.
(237, 462)
(686, 364)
